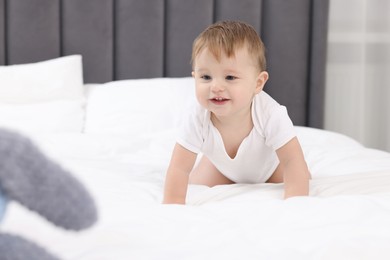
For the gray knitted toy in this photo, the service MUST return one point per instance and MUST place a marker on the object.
(38, 183)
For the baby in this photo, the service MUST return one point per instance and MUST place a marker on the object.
(245, 136)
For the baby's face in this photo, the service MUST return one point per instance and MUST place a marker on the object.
(227, 87)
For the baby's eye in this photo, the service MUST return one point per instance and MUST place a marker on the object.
(205, 77)
(230, 77)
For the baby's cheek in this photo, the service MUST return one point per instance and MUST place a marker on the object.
(201, 94)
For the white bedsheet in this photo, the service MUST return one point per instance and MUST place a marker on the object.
(347, 215)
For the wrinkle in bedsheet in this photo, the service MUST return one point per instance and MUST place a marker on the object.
(353, 185)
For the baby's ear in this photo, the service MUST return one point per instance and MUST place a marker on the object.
(193, 74)
(261, 80)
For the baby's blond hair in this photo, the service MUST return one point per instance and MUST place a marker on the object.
(228, 36)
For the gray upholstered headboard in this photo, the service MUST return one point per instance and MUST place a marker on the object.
(123, 39)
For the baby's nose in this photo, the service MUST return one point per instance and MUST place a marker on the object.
(217, 86)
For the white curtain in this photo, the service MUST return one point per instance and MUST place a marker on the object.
(358, 71)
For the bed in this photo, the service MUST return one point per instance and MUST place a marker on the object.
(105, 97)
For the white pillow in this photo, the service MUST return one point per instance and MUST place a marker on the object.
(59, 78)
(43, 97)
(58, 116)
(134, 107)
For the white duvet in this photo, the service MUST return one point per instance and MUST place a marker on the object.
(347, 215)
(117, 139)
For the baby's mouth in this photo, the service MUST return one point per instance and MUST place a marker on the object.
(219, 100)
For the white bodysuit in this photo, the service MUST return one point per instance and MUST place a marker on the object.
(256, 157)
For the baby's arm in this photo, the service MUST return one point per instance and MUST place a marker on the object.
(176, 181)
(295, 172)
